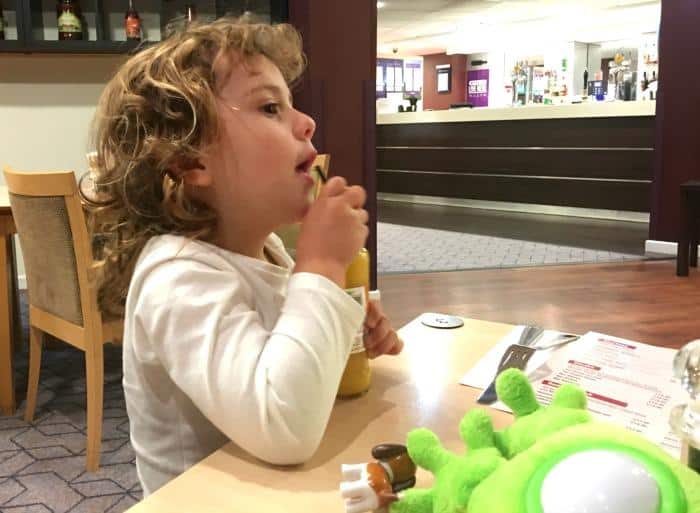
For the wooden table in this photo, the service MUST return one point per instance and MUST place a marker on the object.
(418, 388)
(9, 305)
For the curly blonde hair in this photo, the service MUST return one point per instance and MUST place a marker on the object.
(159, 112)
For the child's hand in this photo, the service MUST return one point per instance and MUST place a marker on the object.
(333, 231)
(380, 337)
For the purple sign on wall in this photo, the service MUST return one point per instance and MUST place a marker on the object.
(478, 87)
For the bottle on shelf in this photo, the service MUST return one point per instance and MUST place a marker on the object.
(653, 85)
(563, 87)
(190, 14)
(70, 27)
(132, 23)
(2, 24)
(357, 375)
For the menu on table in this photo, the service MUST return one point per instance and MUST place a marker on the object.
(628, 383)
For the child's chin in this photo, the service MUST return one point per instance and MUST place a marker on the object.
(302, 214)
(303, 211)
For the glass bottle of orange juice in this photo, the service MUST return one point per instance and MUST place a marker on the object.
(357, 375)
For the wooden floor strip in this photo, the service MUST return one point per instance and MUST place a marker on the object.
(643, 301)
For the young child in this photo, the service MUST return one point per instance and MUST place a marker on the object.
(200, 157)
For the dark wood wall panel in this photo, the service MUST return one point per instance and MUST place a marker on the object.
(602, 163)
(339, 102)
(587, 163)
(677, 141)
(612, 195)
(620, 132)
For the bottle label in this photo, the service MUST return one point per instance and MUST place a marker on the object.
(69, 22)
(358, 294)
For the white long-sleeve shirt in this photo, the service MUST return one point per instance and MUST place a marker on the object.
(219, 346)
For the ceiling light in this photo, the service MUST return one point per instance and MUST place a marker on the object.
(380, 5)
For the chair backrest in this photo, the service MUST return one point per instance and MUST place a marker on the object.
(290, 233)
(50, 222)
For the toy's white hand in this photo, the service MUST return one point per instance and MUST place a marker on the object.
(356, 491)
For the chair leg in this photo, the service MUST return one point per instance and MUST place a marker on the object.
(16, 313)
(94, 374)
(36, 341)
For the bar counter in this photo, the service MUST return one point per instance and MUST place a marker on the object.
(590, 155)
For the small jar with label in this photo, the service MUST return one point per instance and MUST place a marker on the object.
(357, 375)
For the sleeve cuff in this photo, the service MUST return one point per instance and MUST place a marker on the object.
(317, 282)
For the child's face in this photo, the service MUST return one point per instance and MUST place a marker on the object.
(260, 165)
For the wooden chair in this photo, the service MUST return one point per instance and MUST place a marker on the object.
(62, 287)
(690, 227)
(290, 233)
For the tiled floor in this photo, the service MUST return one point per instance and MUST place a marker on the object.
(420, 238)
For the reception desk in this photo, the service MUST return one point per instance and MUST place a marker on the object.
(589, 155)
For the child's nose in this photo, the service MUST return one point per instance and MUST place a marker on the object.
(306, 126)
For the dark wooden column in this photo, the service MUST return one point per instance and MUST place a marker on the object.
(677, 114)
(340, 41)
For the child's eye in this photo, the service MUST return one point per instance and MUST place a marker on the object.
(271, 108)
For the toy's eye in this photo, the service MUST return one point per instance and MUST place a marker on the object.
(600, 481)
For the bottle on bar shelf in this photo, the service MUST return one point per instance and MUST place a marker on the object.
(70, 27)
(132, 23)
(190, 14)
(2, 24)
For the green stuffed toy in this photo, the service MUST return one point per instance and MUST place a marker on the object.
(553, 459)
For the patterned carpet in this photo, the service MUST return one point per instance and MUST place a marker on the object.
(410, 249)
(42, 465)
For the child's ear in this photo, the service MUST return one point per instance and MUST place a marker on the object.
(199, 177)
(191, 173)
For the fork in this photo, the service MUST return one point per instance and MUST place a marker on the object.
(516, 356)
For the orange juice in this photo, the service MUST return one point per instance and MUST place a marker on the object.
(357, 375)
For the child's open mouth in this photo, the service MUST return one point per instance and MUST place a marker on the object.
(305, 165)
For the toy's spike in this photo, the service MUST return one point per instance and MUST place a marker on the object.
(426, 451)
(570, 396)
(515, 391)
(476, 430)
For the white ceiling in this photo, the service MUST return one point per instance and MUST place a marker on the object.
(422, 27)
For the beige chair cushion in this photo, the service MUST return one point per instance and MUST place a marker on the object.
(49, 259)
